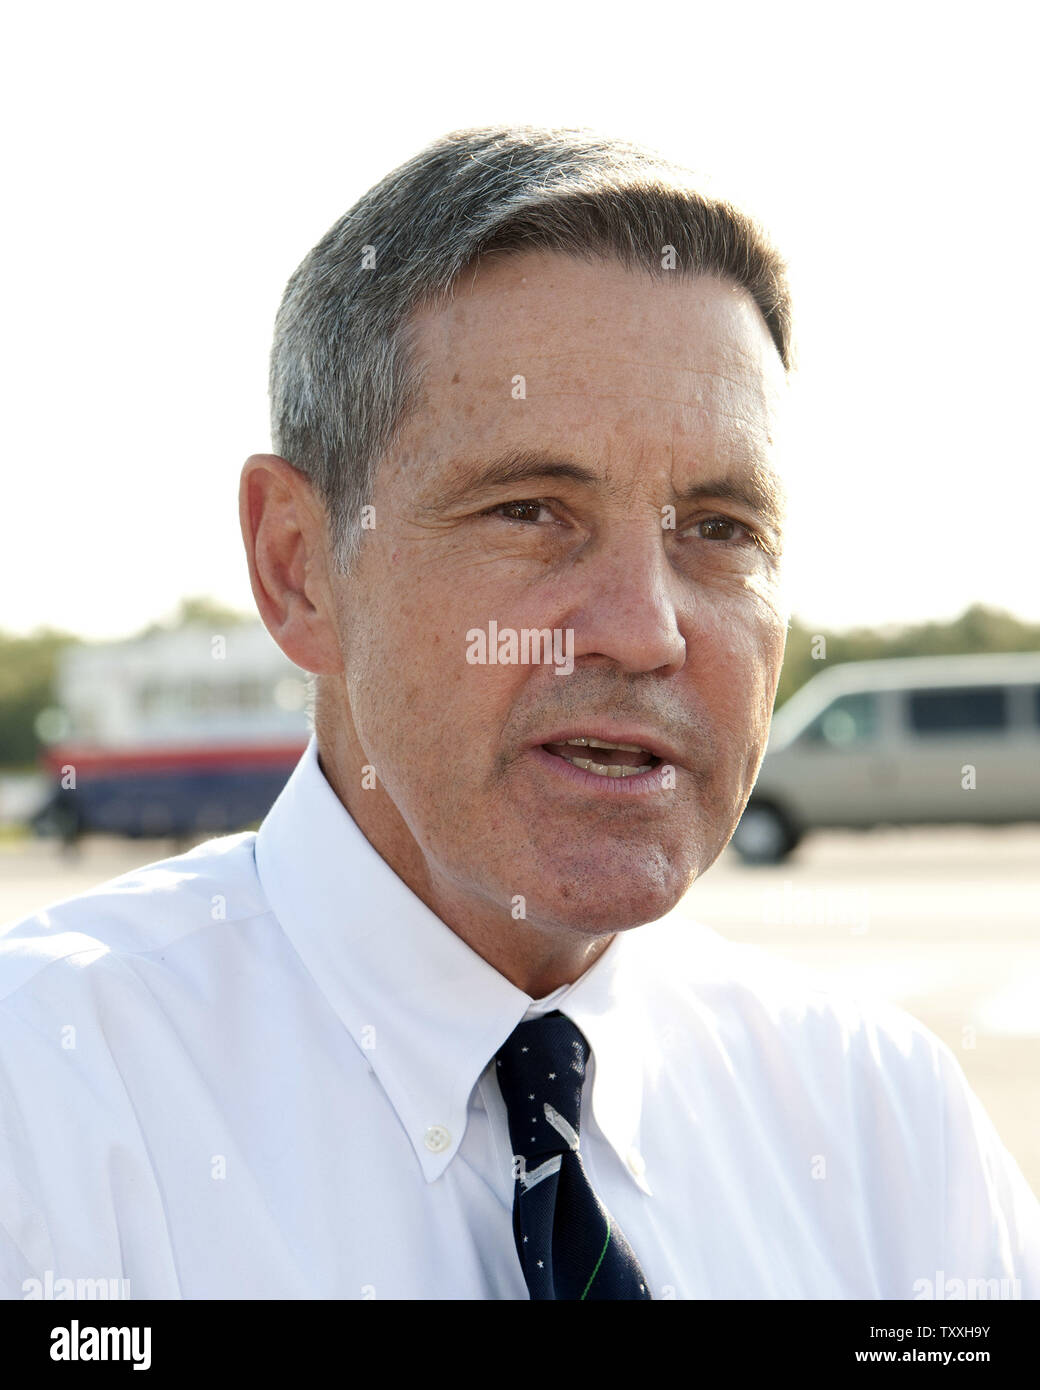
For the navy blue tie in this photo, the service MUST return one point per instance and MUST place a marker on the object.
(570, 1246)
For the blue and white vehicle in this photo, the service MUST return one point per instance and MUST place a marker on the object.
(189, 734)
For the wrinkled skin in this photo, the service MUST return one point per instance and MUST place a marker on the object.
(653, 386)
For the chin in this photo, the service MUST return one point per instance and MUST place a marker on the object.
(611, 903)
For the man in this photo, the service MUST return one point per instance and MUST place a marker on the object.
(437, 1030)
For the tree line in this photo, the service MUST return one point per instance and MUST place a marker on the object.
(29, 664)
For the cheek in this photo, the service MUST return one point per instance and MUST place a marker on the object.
(741, 647)
(767, 592)
(416, 701)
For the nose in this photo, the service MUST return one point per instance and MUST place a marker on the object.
(628, 611)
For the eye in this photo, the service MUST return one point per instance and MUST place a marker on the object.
(520, 511)
(725, 530)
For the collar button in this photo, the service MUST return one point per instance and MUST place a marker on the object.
(437, 1139)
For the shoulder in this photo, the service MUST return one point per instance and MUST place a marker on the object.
(844, 1073)
(105, 999)
(770, 1016)
(695, 965)
(149, 910)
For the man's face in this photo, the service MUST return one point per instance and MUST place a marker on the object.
(625, 396)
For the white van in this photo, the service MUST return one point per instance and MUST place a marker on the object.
(909, 741)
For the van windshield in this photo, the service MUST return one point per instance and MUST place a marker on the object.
(850, 719)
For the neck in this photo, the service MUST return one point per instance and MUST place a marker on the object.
(531, 956)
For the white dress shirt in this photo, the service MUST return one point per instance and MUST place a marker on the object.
(265, 1069)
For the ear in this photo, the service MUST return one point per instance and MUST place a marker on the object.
(284, 530)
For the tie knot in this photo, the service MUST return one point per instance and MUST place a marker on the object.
(541, 1070)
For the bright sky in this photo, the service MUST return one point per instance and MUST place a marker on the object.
(167, 169)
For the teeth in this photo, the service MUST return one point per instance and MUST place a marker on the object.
(606, 769)
(599, 743)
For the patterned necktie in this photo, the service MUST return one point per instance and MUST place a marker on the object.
(570, 1246)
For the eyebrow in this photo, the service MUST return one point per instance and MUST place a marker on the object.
(759, 490)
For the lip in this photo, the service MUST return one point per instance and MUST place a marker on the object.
(610, 734)
(641, 784)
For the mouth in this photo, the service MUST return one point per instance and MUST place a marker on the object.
(609, 759)
(604, 759)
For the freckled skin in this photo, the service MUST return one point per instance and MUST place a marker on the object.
(655, 385)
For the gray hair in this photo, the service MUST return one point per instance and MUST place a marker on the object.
(343, 379)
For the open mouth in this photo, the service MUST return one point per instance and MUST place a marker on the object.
(604, 759)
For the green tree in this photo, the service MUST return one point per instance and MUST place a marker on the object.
(29, 666)
(198, 608)
(978, 629)
(27, 670)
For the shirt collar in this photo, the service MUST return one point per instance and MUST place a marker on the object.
(426, 1010)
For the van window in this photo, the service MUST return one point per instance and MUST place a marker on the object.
(968, 710)
(850, 719)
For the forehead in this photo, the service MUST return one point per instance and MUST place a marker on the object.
(542, 344)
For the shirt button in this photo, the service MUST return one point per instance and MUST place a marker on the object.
(636, 1162)
(437, 1139)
